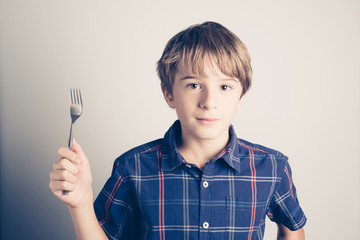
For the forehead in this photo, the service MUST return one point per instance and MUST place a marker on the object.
(201, 68)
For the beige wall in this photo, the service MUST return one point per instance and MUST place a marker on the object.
(304, 102)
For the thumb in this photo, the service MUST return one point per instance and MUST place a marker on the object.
(78, 149)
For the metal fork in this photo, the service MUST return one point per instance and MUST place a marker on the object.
(76, 109)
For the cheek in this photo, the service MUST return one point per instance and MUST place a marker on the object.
(181, 110)
(232, 102)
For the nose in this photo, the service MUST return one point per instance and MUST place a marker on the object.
(207, 99)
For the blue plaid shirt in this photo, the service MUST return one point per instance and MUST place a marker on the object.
(153, 193)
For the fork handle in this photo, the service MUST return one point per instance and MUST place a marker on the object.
(70, 143)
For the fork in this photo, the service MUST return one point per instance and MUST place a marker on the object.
(76, 109)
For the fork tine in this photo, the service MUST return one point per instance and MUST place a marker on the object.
(74, 94)
(71, 96)
(77, 96)
(80, 97)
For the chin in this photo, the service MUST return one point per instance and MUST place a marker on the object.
(208, 134)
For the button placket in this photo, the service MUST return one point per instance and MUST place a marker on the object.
(205, 198)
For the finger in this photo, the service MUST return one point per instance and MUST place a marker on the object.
(78, 150)
(62, 175)
(58, 186)
(67, 153)
(65, 164)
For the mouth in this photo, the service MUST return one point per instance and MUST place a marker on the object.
(207, 120)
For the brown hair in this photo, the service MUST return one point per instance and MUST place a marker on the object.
(190, 46)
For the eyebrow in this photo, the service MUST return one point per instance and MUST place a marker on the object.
(195, 77)
(220, 79)
(231, 79)
(188, 77)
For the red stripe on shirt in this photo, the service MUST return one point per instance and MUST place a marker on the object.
(252, 148)
(253, 185)
(153, 148)
(161, 199)
(110, 198)
(254, 193)
(163, 211)
(220, 154)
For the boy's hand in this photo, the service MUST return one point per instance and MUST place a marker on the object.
(72, 173)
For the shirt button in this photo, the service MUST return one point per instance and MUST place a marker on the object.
(205, 184)
(188, 165)
(206, 225)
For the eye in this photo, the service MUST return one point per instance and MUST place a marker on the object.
(193, 85)
(226, 87)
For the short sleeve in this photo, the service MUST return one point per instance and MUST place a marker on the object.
(284, 207)
(113, 207)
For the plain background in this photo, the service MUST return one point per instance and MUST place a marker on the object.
(304, 101)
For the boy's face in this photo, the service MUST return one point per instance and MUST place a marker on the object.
(205, 105)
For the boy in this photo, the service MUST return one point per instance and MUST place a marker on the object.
(200, 181)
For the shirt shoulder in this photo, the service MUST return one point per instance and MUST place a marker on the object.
(126, 163)
(144, 149)
(260, 150)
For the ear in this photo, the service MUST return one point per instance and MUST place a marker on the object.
(168, 97)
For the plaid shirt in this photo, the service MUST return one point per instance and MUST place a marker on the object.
(153, 193)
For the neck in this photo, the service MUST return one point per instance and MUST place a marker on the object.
(200, 152)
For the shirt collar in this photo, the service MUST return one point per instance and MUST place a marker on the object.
(171, 158)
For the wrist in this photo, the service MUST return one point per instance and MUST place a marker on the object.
(84, 205)
(85, 221)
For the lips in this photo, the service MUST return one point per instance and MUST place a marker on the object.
(207, 120)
